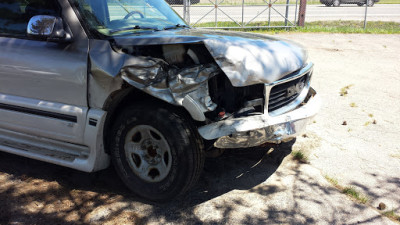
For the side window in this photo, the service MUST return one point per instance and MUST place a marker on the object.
(11, 18)
(15, 14)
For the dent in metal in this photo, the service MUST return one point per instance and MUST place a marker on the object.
(246, 62)
(245, 58)
(272, 134)
(255, 130)
(187, 87)
(105, 65)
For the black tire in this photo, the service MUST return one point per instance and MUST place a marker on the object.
(185, 149)
(360, 4)
(336, 3)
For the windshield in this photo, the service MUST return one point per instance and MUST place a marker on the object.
(121, 17)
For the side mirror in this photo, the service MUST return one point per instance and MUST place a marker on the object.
(48, 28)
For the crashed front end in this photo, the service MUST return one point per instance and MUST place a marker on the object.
(244, 89)
(280, 113)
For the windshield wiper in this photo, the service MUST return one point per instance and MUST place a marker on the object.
(137, 27)
(176, 26)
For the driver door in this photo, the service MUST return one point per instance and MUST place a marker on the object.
(43, 85)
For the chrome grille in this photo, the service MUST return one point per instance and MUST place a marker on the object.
(285, 93)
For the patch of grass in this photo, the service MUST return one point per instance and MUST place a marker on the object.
(349, 190)
(345, 26)
(367, 123)
(388, 2)
(392, 215)
(332, 180)
(371, 115)
(353, 104)
(352, 192)
(339, 26)
(300, 156)
(395, 156)
(344, 90)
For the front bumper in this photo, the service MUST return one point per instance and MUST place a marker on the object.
(259, 129)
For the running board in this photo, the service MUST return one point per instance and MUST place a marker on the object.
(41, 148)
(88, 157)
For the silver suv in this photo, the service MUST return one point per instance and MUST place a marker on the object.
(84, 83)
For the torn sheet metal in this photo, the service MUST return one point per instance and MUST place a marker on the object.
(245, 58)
(187, 87)
(171, 84)
(246, 62)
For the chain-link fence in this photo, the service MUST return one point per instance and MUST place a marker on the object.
(240, 13)
(268, 13)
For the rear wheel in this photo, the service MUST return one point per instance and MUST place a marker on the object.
(157, 152)
(360, 4)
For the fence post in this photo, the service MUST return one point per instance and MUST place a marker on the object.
(269, 13)
(365, 17)
(216, 13)
(302, 12)
(242, 13)
(287, 12)
(186, 11)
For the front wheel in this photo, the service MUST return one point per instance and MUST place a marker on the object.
(370, 3)
(156, 151)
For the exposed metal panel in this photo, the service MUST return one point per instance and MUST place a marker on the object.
(276, 127)
(245, 58)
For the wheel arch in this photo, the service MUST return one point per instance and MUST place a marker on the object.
(122, 98)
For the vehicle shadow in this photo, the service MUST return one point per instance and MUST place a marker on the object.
(239, 169)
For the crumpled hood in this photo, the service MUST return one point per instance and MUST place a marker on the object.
(245, 58)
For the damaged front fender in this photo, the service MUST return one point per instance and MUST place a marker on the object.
(245, 59)
(187, 87)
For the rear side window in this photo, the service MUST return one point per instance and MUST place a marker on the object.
(15, 14)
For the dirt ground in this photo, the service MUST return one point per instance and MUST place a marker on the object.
(262, 185)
